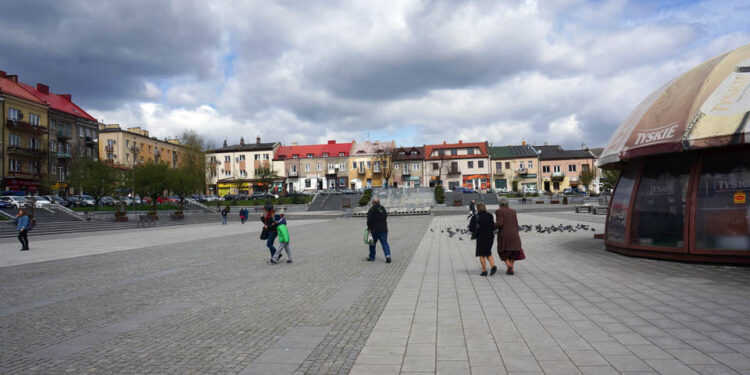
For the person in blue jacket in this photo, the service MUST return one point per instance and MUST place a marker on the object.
(22, 224)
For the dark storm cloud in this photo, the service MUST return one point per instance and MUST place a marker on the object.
(103, 51)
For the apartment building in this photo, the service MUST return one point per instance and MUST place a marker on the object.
(24, 136)
(72, 131)
(457, 164)
(514, 168)
(365, 165)
(561, 169)
(232, 169)
(132, 146)
(407, 167)
(314, 167)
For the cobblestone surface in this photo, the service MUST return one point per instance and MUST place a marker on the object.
(571, 308)
(204, 306)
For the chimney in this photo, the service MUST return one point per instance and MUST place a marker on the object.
(331, 142)
(2, 74)
(257, 139)
(242, 141)
(44, 89)
(12, 77)
(67, 97)
(225, 143)
(460, 141)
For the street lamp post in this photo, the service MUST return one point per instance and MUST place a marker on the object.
(134, 149)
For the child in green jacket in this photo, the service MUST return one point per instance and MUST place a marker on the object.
(283, 239)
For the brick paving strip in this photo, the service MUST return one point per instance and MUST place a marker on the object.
(571, 308)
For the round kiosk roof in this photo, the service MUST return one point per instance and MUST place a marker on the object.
(706, 107)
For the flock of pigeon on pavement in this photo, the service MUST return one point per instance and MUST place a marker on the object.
(523, 228)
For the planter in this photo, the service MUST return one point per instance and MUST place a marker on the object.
(539, 202)
(178, 215)
(554, 201)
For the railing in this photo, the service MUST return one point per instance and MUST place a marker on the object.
(63, 155)
(521, 170)
(25, 126)
(19, 173)
(109, 148)
(558, 174)
(293, 173)
(63, 134)
(20, 150)
(361, 170)
(406, 171)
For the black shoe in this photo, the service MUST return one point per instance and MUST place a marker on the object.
(370, 259)
(290, 261)
(24, 249)
(484, 273)
(388, 259)
(493, 270)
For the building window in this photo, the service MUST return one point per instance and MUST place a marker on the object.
(325, 154)
(34, 119)
(354, 165)
(480, 163)
(454, 152)
(571, 168)
(470, 151)
(342, 166)
(471, 163)
(34, 143)
(507, 165)
(14, 140)
(441, 152)
(266, 156)
(52, 126)
(227, 159)
(309, 155)
(127, 157)
(545, 169)
(318, 167)
(256, 157)
(499, 166)
(341, 154)
(435, 166)
(520, 165)
(307, 182)
(52, 146)
(295, 156)
(369, 165)
(618, 216)
(307, 167)
(584, 167)
(556, 169)
(13, 114)
(415, 166)
(531, 164)
(242, 157)
(15, 165)
(80, 132)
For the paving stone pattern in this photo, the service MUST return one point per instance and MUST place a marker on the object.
(207, 306)
(571, 308)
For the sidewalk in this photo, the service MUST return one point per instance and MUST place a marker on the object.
(571, 308)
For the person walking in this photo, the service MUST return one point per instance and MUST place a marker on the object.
(472, 209)
(243, 215)
(508, 240)
(378, 226)
(269, 225)
(283, 239)
(22, 224)
(484, 229)
(224, 213)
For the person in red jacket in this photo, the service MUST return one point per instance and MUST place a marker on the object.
(508, 240)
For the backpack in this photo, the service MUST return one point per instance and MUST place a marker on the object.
(30, 225)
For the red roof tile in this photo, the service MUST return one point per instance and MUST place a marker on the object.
(12, 88)
(317, 151)
(58, 102)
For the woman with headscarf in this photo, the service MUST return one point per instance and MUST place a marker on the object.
(484, 229)
(508, 240)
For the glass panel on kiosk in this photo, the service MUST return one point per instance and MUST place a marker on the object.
(722, 219)
(659, 210)
(618, 213)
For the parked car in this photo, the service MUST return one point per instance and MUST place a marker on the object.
(6, 202)
(106, 201)
(126, 200)
(38, 202)
(167, 200)
(573, 191)
(16, 201)
(56, 200)
(87, 200)
(263, 195)
(144, 200)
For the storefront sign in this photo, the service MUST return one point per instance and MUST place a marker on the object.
(739, 197)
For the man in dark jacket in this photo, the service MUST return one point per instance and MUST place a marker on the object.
(472, 210)
(377, 225)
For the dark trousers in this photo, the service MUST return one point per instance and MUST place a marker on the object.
(23, 236)
(269, 242)
(383, 238)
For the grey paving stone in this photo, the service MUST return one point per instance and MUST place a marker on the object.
(670, 367)
(269, 369)
(452, 367)
(419, 364)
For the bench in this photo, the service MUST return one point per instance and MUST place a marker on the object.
(583, 208)
(144, 220)
(600, 210)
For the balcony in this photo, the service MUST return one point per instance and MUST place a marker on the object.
(90, 142)
(376, 169)
(522, 170)
(499, 172)
(26, 127)
(293, 173)
(62, 134)
(109, 149)
(406, 171)
(558, 175)
(63, 155)
(18, 150)
(19, 173)
(453, 170)
(361, 171)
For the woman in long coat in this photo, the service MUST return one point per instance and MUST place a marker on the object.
(484, 228)
(508, 241)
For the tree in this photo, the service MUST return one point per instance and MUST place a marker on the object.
(194, 157)
(266, 176)
(95, 178)
(151, 180)
(586, 177)
(384, 157)
(182, 182)
(444, 167)
(609, 178)
(40, 158)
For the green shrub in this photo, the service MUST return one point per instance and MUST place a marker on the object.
(365, 198)
(439, 194)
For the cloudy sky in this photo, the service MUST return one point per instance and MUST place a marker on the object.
(556, 71)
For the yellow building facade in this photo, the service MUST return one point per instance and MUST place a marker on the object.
(364, 166)
(134, 146)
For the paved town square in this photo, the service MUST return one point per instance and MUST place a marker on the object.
(202, 299)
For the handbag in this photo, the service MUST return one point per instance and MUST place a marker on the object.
(264, 234)
(368, 238)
